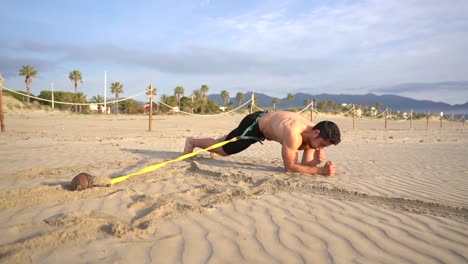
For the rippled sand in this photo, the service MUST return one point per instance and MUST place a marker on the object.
(399, 195)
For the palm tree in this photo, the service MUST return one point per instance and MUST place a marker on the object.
(290, 98)
(76, 76)
(178, 92)
(29, 72)
(116, 88)
(97, 99)
(240, 97)
(199, 100)
(276, 101)
(204, 90)
(225, 96)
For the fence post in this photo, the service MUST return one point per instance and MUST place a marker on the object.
(150, 96)
(312, 112)
(427, 120)
(451, 120)
(354, 117)
(252, 102)
(386, 116)
(441, 116)
(2, 114)
(411, 120)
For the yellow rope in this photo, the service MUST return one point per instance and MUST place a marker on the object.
(162, 164)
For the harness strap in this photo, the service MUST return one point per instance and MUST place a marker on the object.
(243, 136)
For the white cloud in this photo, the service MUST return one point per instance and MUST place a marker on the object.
(335, 48)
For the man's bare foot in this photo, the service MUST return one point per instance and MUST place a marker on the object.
(188, 146)
(213, 155)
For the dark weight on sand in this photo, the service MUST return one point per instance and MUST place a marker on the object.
(82, 181)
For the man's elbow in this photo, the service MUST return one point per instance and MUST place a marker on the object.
(289, 168)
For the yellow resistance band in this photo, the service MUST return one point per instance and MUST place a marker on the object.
(157, 166)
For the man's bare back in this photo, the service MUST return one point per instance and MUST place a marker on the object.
(278, 125)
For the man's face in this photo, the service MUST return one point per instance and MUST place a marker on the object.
(320, 143)
(317, 142)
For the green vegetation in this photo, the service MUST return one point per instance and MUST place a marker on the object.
(196, 102)
(17, 96)
(59, 96)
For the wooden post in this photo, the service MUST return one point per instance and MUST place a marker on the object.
(252, 103)
(386, 116)
(312, 112)
(2, 114)
(441, 116)
(354, 117)
(52, 84)
(411, 120)
(451, 120)
(150, 95)
(427, 120)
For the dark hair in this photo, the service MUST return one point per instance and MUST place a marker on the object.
(329, 130)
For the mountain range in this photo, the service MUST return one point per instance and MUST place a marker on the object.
(393, 102)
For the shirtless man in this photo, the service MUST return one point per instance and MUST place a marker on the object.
(289, 129)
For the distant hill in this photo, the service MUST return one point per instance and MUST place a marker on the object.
(394, 102)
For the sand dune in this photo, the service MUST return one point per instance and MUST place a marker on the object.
(399, 196)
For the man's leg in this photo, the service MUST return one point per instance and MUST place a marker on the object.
(192, 143)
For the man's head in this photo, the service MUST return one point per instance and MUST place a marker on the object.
(328, 131)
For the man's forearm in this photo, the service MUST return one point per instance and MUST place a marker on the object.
(312, 163)
(303, 169)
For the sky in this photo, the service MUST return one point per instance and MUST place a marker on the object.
(267, 46)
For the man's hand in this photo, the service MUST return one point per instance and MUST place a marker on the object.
(329, 169)
(319, 156)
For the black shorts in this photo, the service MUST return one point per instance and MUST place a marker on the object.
(240, 145)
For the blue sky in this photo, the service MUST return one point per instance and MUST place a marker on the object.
(272, 47)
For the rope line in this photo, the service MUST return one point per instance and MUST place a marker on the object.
(305, 108)
(256, 106)
(68, 103)
(451, 118)
(187, 113)
(462, 118)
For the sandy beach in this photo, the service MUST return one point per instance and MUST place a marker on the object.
(399, 195)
